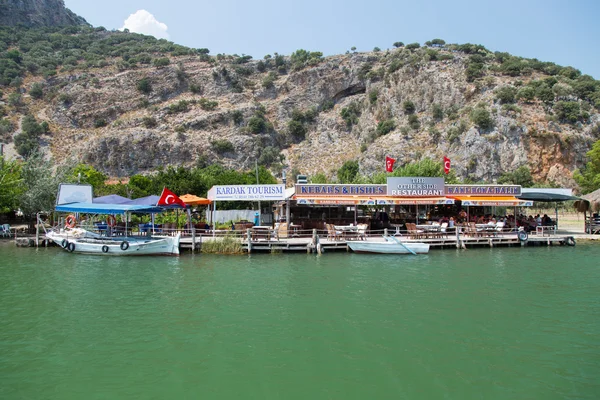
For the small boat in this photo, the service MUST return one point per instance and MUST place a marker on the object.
(81, 239)
(84, 242)
(390, 246)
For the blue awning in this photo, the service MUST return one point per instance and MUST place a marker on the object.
(111, 199)
(96, 208)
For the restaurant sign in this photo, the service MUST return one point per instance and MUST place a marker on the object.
(483, 190)
(415, 187)
(340, 190)
(247, 192)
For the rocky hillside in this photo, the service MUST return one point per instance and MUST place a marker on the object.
(37, 13)
(126, 104)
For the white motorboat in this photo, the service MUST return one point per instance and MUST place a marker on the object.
(390, 246)
(79, 240)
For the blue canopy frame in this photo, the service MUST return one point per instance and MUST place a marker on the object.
(98, 208)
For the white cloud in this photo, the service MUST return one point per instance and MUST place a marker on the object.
(142, 21)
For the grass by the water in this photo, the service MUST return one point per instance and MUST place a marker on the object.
(224, 245)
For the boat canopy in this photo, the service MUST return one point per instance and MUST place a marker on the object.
(97, 208)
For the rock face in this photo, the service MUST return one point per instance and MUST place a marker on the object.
(37, 13)
(104, 116)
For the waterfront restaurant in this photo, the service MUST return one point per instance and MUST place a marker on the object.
(401, 200)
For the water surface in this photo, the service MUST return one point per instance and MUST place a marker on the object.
(502, 323)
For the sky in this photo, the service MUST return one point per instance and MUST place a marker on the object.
(564, 32)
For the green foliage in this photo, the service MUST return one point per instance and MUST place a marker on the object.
(456, 131)
(179, 107)
(301, 58)
(270, 155)
(319, 178)
(512, 108)
(520, 176)
(438, 42)
(327, 105)
(6, 127)
(348, 172)
(258, 123)
(36, 91)
(11, 185)
(409, 107)
(15, 100)
(27, 142)
(545, 94)
(149, 122)
(207, 105)
(351, 114)
(526, 94)
(195, 88)
(222, 146)
(413, 46)
(385, 127)
(474, 68)
(482, 118)
(161, 62)
(588, 178)
(567, 111)
(144, 85)
(40, 183)
(269, 80)
(87, 174)
(237, 116)
(506, 94)
(373, 96)
(376, 49)
(296, 129)
(413, 122)
(100, 122)
(437, 112)
(398, 44)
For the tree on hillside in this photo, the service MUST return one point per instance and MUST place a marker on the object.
(86, 174)
(588, 178)
(398, 44)
(348, 172)
(11, 185)
(520, 176)
(40, 184)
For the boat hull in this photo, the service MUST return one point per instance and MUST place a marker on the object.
(389, 247)
(128, 246)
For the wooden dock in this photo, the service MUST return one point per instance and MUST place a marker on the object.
(318, 242)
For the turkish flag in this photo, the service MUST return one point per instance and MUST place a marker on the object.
(168, 198)
(389, 163)
(446, 165)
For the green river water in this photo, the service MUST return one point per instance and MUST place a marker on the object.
(502, 323)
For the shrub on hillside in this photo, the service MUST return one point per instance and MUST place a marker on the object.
(482, 118)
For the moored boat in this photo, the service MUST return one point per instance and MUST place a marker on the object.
(85, 242)
(390, 246)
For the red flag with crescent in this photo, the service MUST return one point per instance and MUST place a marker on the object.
(446, 165)
(168, 198)
(389, 163)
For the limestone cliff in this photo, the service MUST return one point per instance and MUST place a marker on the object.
(37, 13)
(407, 103)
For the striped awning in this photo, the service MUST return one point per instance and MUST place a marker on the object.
(371, 200)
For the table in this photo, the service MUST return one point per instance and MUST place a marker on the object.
(261, 232)
(294, 229)
(348, 231)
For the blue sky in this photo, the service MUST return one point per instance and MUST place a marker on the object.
(564, 32)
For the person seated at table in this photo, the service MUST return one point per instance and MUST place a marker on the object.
(547, 221)
(451, 226)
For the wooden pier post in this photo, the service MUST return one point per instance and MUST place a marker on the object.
(249, 236)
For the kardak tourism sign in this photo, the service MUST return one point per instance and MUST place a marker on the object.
(415, 187)
(247, 192)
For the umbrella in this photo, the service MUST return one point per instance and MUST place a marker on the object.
(193, 200)
(111, 199)
(593, 199)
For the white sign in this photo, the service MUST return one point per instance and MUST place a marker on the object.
(247, 192)
(415, 187)
(70, 193)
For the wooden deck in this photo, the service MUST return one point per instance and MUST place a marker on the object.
(319, 242)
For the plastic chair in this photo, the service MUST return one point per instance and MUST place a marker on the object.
(5, 230)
